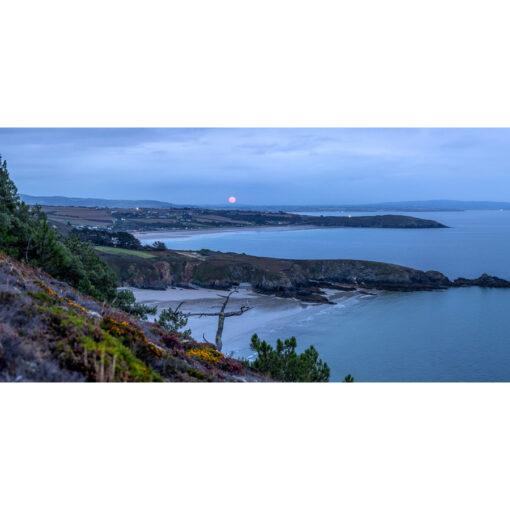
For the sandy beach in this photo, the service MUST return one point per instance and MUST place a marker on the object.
(178, 234)
(238, 329)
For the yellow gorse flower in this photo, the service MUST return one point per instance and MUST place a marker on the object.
(208, 354)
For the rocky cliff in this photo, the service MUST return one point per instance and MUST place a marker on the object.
(283, 277)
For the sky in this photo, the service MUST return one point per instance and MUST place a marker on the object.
(287, 166)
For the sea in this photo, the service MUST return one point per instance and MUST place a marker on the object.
(456, 335)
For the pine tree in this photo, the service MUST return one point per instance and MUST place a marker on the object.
(284, 364)
(26, 234)
(9, 199)
(15, 216)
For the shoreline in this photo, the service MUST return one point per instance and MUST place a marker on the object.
(179, 234)
(266, 310)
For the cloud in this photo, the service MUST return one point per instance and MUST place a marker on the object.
(261, 166)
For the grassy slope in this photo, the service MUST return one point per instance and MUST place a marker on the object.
(223, 270)
(51, 332)
(122, 251)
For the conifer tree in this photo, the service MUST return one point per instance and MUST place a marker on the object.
(283, 363)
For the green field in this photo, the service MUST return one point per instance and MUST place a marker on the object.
(122, 251)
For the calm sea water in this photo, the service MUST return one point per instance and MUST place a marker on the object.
(454, 335)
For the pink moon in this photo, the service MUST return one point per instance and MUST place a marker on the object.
(232, 200)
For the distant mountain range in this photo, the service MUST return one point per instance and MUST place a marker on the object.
(409, 206)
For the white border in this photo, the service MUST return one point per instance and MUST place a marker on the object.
(264, 63)
(255, 446)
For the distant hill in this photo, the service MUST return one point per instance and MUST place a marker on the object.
(404, 206)
(409, 206)
(94, 202)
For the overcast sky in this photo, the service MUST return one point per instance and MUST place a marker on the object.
(261, 166)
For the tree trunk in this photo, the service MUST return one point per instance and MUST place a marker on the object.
(219, 333)
(221, 318)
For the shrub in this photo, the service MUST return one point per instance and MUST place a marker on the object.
(174, 320)
(284, 364)
(156, 246)
(126, 301)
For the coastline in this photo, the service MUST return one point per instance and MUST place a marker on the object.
(179, 234)
(238, 330)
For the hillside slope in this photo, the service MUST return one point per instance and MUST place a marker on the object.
(51, 332)
(281, 277)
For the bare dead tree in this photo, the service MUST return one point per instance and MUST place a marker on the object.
(222, 315)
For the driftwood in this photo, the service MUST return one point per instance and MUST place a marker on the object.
(222, 315)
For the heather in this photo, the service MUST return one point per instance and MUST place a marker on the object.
(51, 332)
(62, 317)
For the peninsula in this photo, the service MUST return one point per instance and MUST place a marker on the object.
(187, 218)
(302, 279)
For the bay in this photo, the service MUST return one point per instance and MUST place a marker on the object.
(454, 335)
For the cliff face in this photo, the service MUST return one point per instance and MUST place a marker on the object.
(51, 332)
(293, 278)
(282, 277)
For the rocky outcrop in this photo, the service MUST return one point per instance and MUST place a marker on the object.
(156, 275)
(372, 275)
(282, 277)
(483, 281)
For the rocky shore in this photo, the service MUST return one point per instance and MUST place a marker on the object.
(483, 281)
(302, 279)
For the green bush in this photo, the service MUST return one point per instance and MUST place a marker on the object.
(123, 240)
(283, 363)
(125, 300)
(174, 320)
(157, 246)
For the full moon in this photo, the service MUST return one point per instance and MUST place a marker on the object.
(232, 200)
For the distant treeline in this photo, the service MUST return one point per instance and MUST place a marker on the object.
(123, 240)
